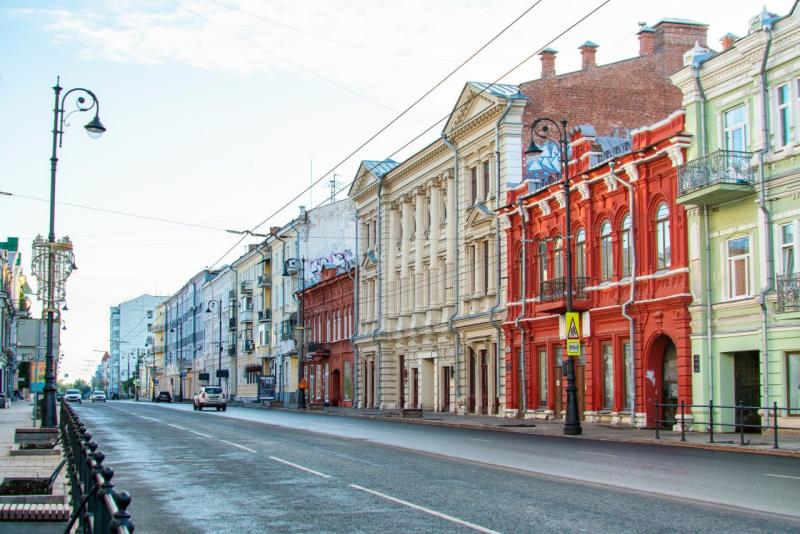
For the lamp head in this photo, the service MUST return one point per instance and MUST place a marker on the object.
(533, 151)
(95, 128)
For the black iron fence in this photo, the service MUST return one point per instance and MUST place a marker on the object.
(720, 167)
(788, 292)
(746, 419)
(96, 505)
(556, 289)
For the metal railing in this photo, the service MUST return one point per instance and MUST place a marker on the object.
(96, 505)
(264, 280)
(720, 167)
(788, 292)
(264, 315)
(556, 289)
(742, 421)
(538, 180)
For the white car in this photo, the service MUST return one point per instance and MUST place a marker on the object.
(98, 396)
(72, 395)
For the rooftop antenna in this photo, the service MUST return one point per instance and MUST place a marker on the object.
(332, 185)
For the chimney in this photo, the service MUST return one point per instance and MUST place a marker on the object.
(548, 56)
(588, 51)
(727, 41)
(646, 40)
(273, 230)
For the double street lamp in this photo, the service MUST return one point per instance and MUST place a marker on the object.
(292, 267)
(59, 259)
(549, 130)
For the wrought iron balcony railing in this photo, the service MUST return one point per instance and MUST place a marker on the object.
(264, 280)
(318, 347)
(556, 289)
(789, 293)
(264, 315)
(720, 167)
(246, 286)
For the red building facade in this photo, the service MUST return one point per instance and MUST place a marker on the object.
(328, 318)
(616, 247)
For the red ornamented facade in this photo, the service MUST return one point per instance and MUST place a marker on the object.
(328, 318)
(612, 243)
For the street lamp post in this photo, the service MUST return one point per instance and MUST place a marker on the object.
(178, 325)
(548, 129)
(218, 305)
(292, 267)
(55, 290)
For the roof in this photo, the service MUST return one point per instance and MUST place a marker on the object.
(688, 22)
(590, 44)
(502, 90)
(379, 168)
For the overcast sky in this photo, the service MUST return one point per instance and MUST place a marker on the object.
(215, 110)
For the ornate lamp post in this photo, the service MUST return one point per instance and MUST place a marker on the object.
(217, 304)
(177, 325)
(292, 267)
(548, 129)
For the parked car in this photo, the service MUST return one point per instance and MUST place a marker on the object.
(72, 395)
(209, 397)
(164, 396)
(98, 396)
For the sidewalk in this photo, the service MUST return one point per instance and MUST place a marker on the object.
(789, 441)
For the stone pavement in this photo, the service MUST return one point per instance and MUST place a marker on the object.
(19, 415)
(788, 440)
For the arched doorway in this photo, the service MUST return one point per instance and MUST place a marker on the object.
(661, 381)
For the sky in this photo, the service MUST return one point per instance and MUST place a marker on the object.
(221, 112)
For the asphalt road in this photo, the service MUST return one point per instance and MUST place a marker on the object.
(278, 471)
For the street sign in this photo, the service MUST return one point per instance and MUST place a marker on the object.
(222, 373)
(183, 374)
(155, 381)
(573, 324)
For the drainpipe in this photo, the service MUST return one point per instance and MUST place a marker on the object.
(523, 404)
(356, 320)
(762, 206)
(452, 317)
(498, 247)
(379, 325)
(709, 305)
(631, 293)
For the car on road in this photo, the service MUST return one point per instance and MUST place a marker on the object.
(164, 396)
(98, 396)
(72, 395)
(209, 397)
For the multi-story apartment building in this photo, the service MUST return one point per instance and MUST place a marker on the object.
(219, 350)
(13, 305)
(130, 339)
(185, 336)
(250, 363)
(740, 188)
(159, 347)
(298, 251)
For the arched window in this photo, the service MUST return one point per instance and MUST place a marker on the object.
(558, 257)
(663, 248)
(521, 272)
(627, 248)
(580, 253)
(606, 252)
(541, 260)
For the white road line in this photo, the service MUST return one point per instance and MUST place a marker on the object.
(300, 467)
(434, 513)
(781, 476)
(200, 434)
(237, 445)
(150, 418)
(603, 454)
(480, 439)
(176, 426)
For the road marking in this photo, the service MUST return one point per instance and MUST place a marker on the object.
(176, 426)
(603, 454)
(300, 467)
(781, 476)
(480, 439)
(150, 418)
(237, 445)
(434, 513)
(200, 434)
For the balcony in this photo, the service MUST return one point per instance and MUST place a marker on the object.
(318, 348)
(159, 327)
(264, 316)
(248, 345)
(788, 293)
(553, 295)
(264, 280)
(246, 286)
(719, 177)
(232, 323)
(246, 316)
(231, 350)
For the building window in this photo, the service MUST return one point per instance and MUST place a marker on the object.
(558, 257)
(663, 247)
(541, 260)
(607, 355)
(793, 382)
(736, 129)
(521, 272)
(580, 253)
(627, 250)
(348, 381)
(627, 366)
(784, 115)
(473, 186)
(543, 378)
(486, 180)
(787, 249)
(485, 267)
(606, 252)
(739, 267)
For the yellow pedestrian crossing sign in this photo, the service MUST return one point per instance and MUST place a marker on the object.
(573, 324)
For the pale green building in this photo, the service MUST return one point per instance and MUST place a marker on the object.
(740, 184)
